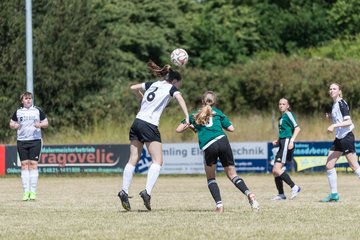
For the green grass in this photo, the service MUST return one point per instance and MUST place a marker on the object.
(247, 128)
(88, 208)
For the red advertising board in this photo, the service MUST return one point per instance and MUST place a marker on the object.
(2, 159)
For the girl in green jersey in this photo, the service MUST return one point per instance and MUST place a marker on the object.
(288, 131)
(209, 123)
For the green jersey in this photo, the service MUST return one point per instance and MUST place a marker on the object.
(212, 131)
(287, 123)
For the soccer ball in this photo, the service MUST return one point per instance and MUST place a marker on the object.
(179, 57)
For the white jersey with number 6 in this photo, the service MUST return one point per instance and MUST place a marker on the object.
(155, 99)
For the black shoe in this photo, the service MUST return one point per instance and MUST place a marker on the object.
(146, 197)
(124, 200)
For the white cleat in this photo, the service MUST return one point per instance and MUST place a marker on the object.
(295, 191)
(253, 203)
(279, 197)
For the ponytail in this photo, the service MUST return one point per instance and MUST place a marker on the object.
(204, 114)
(165, 72)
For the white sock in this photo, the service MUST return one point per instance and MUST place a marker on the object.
(127, 177)
(357, 172)
(332, 177)
(34, 176)
(153, 174)
(25, 179)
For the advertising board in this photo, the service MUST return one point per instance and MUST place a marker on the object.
(74, 159)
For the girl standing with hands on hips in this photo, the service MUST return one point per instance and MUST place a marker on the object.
(209, 123)
(344, 142)
(144, 130)
(28, 121)
(288, 131)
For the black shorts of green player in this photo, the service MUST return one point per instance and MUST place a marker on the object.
(221, 150)
(284, 155)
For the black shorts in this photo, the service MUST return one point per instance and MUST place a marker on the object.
(144, 132)
(29, 150)
(220, 149)
(284, 154)
(345, 145)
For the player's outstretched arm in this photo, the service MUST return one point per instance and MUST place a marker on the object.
(136, 88)
(182, 127)
(182, 104)
(230, 128)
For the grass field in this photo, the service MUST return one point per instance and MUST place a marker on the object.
(86, 207)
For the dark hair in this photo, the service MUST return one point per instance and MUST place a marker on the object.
(166, 71)
(173, 74)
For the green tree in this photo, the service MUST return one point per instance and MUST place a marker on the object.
(345, 15)
(12, 61)
(298, 24)
(222, 33)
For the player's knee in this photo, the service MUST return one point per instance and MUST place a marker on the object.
(25, 165)
(33, 165)
(329, 166)
(277, 171)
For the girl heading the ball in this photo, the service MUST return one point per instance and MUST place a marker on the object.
(154, 96)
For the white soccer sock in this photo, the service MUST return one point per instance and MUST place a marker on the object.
(34, 176)
(127, 177)
(357, 172)
(25, 179)
(332, 177)
(153, 174)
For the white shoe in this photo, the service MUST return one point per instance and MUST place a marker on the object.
(253, 203)
(279, 197)
(295, 191)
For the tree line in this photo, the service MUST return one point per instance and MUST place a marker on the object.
(251, 52)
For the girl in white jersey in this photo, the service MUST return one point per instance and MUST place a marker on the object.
(155, 97)
(28, 120)
(344, 142)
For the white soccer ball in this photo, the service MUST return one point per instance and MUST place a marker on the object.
(179, 57)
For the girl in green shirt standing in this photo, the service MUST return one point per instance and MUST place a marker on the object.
(209, 123)
(288, 131)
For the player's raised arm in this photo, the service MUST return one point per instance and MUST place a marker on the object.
(136, 88)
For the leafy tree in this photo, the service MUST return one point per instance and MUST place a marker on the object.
(12, 60)
(345, 15)
(222, 33)
(297, 24)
